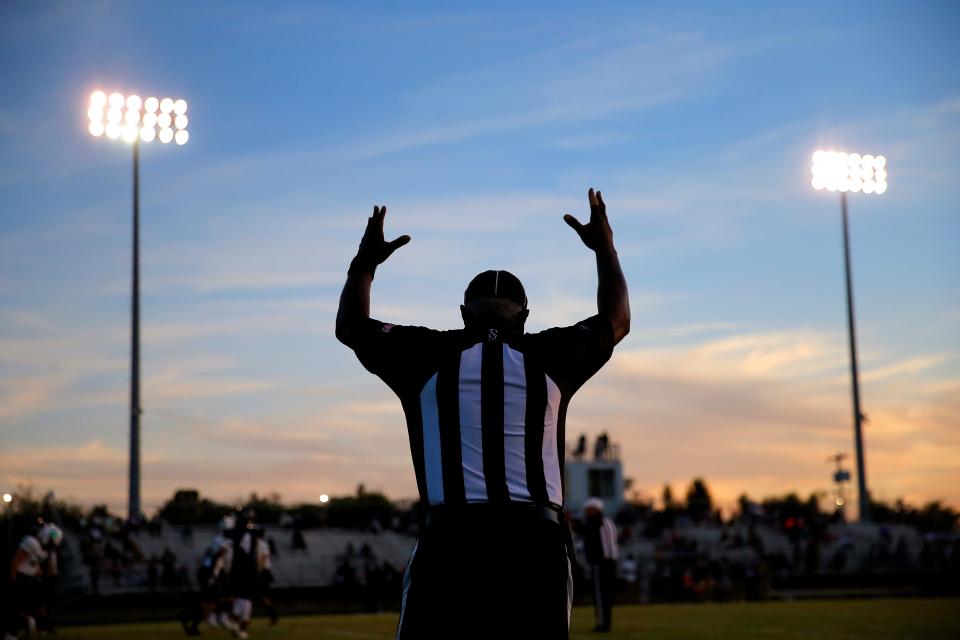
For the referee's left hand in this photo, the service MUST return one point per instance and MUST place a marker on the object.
(374, 249)
(596, 234)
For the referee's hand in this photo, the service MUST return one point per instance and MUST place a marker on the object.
(596, 234)
(373, 248)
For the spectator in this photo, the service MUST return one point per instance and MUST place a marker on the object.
(298, 543)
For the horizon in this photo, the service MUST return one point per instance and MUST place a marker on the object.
(479, 128)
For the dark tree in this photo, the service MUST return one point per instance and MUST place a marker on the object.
(188, 507)
(667, 497)
(699, 505)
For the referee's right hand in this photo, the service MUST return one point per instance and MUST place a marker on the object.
(374, 249)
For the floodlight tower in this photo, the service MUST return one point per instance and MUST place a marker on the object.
(851, 173)
(8, 503)
(132, 120)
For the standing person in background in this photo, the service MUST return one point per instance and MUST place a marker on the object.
(211, 578)
(26, 575)
(50, 536)
(600, 547)
(242, 583)
(265, 578)
(485, 407)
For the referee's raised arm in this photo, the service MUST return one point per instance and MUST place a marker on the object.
(613, 301)
(355, 297)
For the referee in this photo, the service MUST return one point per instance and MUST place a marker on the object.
(485, 408)
(600, 547)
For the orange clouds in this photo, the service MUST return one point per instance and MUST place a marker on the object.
(760, 413)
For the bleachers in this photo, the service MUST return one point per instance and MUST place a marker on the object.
(859, 541)
(315, 566)
(858, 545)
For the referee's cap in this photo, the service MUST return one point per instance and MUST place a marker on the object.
(496, 284)
(593, 503)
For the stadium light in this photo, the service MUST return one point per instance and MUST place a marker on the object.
(324, 498)
(135, 120)
(851, 173)
(8, 498)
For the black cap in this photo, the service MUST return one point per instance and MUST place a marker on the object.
(496, 284)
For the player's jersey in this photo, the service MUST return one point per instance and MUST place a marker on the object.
(486, 409)
(216, 557)
(243, 567)
(32, 558)
(263, 555)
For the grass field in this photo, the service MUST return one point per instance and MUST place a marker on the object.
(821, 620)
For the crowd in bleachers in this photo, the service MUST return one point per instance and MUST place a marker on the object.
(363, 574)
(662, 559)
(119, 557)
(748, 557)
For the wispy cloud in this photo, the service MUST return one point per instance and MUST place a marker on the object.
(909, 367)
(753, 415)
(778, 354)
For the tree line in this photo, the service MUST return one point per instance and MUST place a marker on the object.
(360, 509)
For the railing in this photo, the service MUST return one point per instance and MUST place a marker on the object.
(608, 453)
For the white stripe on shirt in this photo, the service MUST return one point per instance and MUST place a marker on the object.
(551, 462)
(608, 539)
(432, 463)
(514, 424)
(471, 432)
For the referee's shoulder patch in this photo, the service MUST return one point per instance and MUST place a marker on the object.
(386, 328)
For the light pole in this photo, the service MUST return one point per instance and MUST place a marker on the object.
(8, 503)
(853, 173)
(132, 120)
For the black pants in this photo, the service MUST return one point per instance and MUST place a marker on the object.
(481, 578)
(25, 599)
(604, 576)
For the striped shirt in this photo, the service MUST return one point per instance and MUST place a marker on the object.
(485, 410)
(600, 540)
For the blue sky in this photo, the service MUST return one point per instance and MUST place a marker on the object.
(478, 126)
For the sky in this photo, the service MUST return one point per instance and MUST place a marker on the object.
(479, 125)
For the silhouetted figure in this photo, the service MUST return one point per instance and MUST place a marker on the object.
(581, 449)
(243, 579)
(50, 537)
(211, 581)
(153, 573)
(168, 572)
(600, 548)
(602, 446)
(485, 408)
(34, 561)
(265, 579)
(298, 543)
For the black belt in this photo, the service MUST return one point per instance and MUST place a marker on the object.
(443, 514)
(490, 511)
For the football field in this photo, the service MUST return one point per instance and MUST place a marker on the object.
(912, 619)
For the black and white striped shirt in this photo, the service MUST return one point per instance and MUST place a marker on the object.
(600, 540)
(485, 411)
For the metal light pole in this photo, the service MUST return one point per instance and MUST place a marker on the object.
(133, 494)
(134, 120)
(8, 502)
(853, 173)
